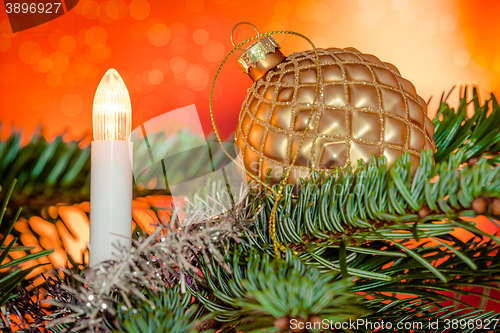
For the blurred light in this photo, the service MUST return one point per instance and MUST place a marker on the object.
(30, 52)
(60, 62)
(96, 37)
(178, 64)
(111, 112)
(448, 22)
(197, 77)
(213, 51)
(158, 35)
(155, 76)
(469, 35)
(480, 63)
(45, 65)
(200, 36)
(67, 44)
(90, 9)
(461, 58)
(139, 9)
(324, 13)
(306, 10)
(178, 31)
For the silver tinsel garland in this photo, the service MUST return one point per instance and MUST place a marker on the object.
(159, 260)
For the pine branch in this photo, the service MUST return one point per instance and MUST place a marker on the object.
(476, 136)
(11, 275)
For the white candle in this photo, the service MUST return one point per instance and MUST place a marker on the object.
(111, 170)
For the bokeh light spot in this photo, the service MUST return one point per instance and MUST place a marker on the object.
(200, 36)
(38, 99)
(139, 9)
(197, 77)
(448, 22)
(45, 65)
(60, 62)
(71, 105)
(306, 10)
(67, 44)
(8, 73)
(158, 34)
(100, 54)
(54, 79)
(461, 58)
(178, 64)
(80, 67)
(90, 9)
(480, 63)
(155, 76)
(469, 35)
(324, 13)
(369, 18)
(213, 51)
(96, 37)
(30, 52)
(195, 6)
(113, 10)
(178, 31)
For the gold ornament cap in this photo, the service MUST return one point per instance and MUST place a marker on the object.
(260, 57)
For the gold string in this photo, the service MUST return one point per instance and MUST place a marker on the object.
(278, 195)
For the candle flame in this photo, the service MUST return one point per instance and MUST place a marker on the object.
(112, 111)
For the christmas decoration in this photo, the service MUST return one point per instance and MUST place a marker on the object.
(111, 169)
(364, 107)
(347, 243)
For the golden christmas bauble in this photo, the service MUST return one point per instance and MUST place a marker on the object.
(364, 106)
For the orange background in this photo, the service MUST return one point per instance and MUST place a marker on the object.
(168, 51)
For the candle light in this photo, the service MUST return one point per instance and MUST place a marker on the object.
(111, 170)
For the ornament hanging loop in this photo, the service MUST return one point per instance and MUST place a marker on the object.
(232, 31)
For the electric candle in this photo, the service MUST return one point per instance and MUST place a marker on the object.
(111, 170)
